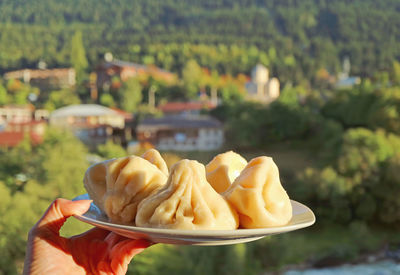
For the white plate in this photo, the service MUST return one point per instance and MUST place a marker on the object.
(302, 217)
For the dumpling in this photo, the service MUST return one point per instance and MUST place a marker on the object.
(258, 196)
(224, 169)
(187, 201)
(155, 158)
(118, 185)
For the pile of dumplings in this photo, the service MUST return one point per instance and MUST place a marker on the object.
(226, 194)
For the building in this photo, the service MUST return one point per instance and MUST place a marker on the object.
(182, 133)
(261, 87)
(92, 124)
(13, 133)
(344, 80)
(185, 108)
(45, 79)
(16, 114)
(124, 70)
(18, 121)
(21, 114)
(86, 114)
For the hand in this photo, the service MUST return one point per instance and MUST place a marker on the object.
(96, 251)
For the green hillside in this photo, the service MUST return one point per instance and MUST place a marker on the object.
(298, 38)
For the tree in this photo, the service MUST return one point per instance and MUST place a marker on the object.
(395, 72)
(53, 169)
(3, 95)
(231, 93)
(111, 150)
(107, 100)
(130, 94)
(191, 76)
(58, 99)
(78, 56)
(63, 162)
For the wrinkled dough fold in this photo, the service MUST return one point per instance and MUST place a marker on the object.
(118, 185)
(155, 158)
(187, 201)
(223, 169)
(258, 196)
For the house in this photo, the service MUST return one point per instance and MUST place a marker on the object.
(13, 133)
(18, 121)
(45, 79)
(261, 87)
(16, 113)
(86, 115)
(182, 133)
(124, 70)
(21, 113)
(92, 124)
(185, 108)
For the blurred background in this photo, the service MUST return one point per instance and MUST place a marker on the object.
(315, 84)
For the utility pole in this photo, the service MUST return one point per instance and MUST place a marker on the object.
(214, 96)
(152, 99)
(93, 86)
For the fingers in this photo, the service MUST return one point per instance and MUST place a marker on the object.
(123, 252)
(59, 211)
(112, 239)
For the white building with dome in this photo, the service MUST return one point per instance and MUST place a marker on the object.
(261, 87)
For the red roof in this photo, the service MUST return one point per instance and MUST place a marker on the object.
(185, 106)
(11, 139)
(126, 115)
(30, 123)
(19, 106)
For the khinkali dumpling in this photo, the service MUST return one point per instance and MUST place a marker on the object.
(224, 169)
(258, 196)
(118, 185)
(154, 157)
(187, 201)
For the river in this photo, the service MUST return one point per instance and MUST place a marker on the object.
(386, 267)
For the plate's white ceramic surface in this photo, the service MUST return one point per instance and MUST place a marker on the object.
(302, 217)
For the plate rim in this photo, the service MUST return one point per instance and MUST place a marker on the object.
(218, 234)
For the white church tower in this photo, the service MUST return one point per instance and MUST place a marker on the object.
(261, 87)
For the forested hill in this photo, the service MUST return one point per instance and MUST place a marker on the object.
(306, 34)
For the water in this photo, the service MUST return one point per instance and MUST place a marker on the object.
(378, 268)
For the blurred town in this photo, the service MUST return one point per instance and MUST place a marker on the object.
(177, 125)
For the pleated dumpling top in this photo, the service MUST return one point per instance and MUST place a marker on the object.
(187, 201)
(118, 185)
(223, 169)
(258, 196)
(155, 158)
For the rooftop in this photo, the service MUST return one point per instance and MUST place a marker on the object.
(171, 122)
(29, 107)
(83, 110)
(121, 63)
(39, 73)
(185, 106)
(11, 139)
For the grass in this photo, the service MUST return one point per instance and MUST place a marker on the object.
(289, 158)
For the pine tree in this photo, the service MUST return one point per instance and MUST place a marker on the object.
(78, 56)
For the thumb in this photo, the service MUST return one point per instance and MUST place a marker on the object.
(59, 211)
